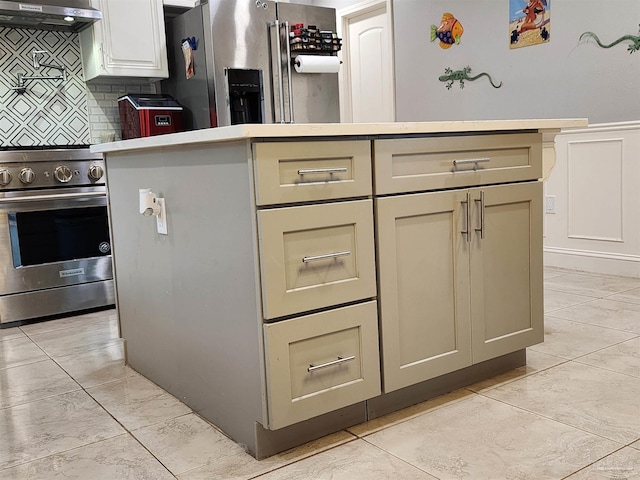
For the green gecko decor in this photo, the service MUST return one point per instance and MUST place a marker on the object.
(634, 39)
(461, 75)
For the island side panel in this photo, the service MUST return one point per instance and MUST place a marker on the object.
(187, 301)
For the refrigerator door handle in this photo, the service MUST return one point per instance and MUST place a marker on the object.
(289, 78)
(278, 72)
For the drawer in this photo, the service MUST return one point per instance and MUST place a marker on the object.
(419, 164)
(321, 362)
(316, 256)
(307, 171)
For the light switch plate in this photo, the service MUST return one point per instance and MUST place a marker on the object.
(162, 217)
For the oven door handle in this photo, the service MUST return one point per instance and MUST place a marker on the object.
(51, 196)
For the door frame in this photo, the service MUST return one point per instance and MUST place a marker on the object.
(344, 17)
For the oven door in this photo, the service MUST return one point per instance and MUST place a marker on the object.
(53, 238)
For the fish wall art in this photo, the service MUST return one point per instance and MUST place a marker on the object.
(449, 32)
(530, 22)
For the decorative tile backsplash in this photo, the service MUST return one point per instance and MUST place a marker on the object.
(49, 112)
(53, 112)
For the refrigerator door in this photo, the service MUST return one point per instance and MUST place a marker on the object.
(315, 96)
(193, 93)
(240, 38)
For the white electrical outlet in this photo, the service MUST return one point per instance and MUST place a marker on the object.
(162, 217)
(550, 205)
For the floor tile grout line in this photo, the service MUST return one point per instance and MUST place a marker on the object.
(275, 469)
(527, 375)
(553, 419)
(592, 324)
(401, 459)
(82, 388)
(60, 452)
(593, 463)
(417, 415)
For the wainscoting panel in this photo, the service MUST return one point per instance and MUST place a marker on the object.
(595, 190)
(595, 187)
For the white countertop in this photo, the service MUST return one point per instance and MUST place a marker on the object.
(310, 130)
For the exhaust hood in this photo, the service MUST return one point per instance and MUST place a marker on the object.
(66, 15)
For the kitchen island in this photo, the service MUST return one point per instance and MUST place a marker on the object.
(316, 276)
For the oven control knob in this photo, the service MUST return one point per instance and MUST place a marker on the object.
(95, 172)
(63, 174)
(5, 177)
(27, 175)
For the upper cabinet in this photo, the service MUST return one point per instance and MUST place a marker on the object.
(129, 41)
(180, 3)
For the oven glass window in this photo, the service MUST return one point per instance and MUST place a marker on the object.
(57, 235)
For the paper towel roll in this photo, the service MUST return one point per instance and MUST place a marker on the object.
(317, 64)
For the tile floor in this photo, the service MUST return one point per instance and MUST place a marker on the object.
(71, 409)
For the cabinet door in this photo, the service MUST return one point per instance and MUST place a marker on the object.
(506, 269)
(129, 41)
(424, 286)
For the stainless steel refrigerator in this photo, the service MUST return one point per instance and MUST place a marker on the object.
(242, 68)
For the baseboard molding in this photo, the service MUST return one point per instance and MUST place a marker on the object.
(593, 261)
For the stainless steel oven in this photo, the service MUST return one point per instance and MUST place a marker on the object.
(55, 248)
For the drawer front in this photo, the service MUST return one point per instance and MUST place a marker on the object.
(307, 171)
(321, 362)
(316, 256)
(419, 164)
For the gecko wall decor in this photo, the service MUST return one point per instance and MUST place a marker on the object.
(451, 76)
(634, 39)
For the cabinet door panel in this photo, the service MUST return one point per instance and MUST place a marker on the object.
(424, 289)
(506, 270)
(129, 41)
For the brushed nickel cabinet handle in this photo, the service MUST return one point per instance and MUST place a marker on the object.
(468, 161)
(331, 364)
(481, 229)
(311, 171)
(467, 207)
(325, 256)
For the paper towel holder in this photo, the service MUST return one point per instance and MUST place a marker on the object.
(296, 62)
(303, 69)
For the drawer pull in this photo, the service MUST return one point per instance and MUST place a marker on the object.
(331, 364)
(313, 171)
(475, 161)
(325, 256)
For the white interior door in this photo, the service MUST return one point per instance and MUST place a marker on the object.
(367, 93)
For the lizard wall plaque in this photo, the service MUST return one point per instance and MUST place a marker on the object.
(634, 39)
(451, 76)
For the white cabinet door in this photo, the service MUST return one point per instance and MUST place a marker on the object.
(129, 41)
(506, 269)
(423, 271)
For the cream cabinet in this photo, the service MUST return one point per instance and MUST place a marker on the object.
(313, 282)
(423, 271)
(506, 269)
(318, 277)
(321, 362)
(420, 164)
(129, 41)
(460, 278)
